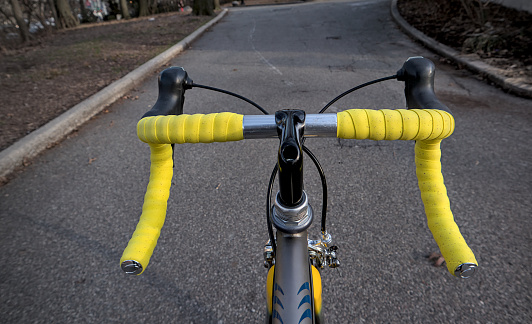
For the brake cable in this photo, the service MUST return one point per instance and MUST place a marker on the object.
(305, 149)
(356, 88)
(195, 85)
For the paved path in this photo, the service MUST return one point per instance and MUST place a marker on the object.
(67, 217)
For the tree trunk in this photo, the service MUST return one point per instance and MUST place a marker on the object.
(217, 5)
(66, 17)
(143, 8)
(203, 7)
(54, 12)
(125, 9)
(22, 26)
(83, 9)
(153, 7)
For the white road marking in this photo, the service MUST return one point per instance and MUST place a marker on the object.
(259, 53)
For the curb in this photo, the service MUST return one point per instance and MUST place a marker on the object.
(55, 130)
(516, 86)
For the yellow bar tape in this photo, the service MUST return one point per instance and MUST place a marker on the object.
(159, 132)
(199, 128)
(400, 124)
(428, 127)
(440, 218)
(144, 239)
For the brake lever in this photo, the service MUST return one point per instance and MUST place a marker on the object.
(173, 82)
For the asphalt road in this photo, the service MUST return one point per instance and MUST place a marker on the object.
(67, 217)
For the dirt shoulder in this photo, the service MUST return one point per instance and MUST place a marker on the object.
(41, 81)
(494, 34)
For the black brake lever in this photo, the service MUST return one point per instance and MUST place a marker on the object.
(173, 82)
(418, 75)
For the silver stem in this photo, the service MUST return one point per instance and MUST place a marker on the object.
(263, 126)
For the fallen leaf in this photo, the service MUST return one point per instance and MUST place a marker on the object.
(436, 258)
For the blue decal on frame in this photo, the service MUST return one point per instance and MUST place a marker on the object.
(305, 300)
(303, 287)
(306, 314)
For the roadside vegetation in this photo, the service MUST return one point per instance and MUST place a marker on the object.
(500, 36)
(25, 20)
(45, 76)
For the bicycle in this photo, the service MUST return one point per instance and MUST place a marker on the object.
(294, 291)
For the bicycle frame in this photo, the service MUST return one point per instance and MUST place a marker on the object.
(292, 290)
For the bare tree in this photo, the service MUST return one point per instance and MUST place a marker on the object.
(203, 7)
(22, 25)
(143, 8)
(83, 11)
(37, 10)
(65, 15)
(124, 9)
(51, 4)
